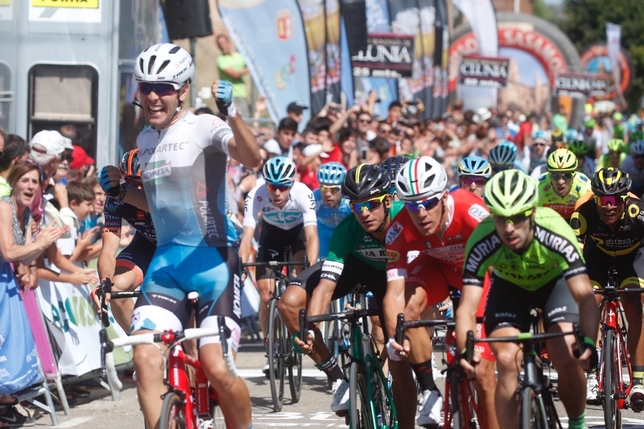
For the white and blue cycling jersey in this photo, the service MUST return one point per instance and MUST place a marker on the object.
(298, 210)
(328, 219)
(183, 171)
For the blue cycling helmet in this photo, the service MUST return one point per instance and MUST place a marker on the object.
(475, 166)
(331, 173)
(540, 134)
(503, 154)
(571, 135)
(279, 171)
(392, 165)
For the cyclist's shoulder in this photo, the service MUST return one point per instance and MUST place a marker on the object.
(396, 207)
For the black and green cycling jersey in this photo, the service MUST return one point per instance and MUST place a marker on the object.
(351, 238)
(552, 252)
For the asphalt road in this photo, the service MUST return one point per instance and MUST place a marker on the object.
(99, 411)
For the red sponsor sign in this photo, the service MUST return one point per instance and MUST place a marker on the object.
(511, 35)
(594, 59)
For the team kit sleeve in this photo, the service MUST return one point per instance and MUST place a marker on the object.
(307, 206)
(220, 132)
(250, 211)
(579, 222)
(558, 237)
(480, 249)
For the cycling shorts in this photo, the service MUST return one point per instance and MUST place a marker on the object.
(137, 256)
(176, 270)
(509, 305)
(630, 268)
(272, 241)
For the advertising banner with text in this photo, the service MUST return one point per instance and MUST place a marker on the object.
(485, 72)
(581, 85)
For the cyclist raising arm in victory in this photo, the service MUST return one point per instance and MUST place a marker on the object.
(536, 262)
(183, 159)
(289, 219)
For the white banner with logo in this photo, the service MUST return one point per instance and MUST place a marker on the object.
(68, 308)
(613, 42)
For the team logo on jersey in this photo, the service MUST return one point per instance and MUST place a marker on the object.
(367, 239)
(140, 215)
(478, 212)
(416, 269)
(157, 172)
(393, 233)
(557, 243)
(201, 191)
(393, 256)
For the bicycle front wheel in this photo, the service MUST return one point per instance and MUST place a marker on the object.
(383, 400)
(358, 400)
(276, 358)
(533, 411)
(172, 412)
(612, 413)
(294, 368)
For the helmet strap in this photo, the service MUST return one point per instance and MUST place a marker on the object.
(384, 221)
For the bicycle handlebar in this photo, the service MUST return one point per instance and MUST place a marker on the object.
(402, 325)
(275, 264)
(609, 290)
(170, 338)
(104, 287)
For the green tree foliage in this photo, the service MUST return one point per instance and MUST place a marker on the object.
(542, 10)
(585, 22)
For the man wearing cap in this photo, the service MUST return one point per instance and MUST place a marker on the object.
(311, 161)
(295, 111)
(78, 166)
(536, 155)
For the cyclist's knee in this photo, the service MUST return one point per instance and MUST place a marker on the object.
(416, 304)
(216, 371)
(147, 357)
(293, 299)
(125, 281)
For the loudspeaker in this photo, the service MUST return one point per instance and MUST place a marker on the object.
(354, 13)
(187, 18)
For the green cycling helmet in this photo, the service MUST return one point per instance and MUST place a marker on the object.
(510, 193)
(590, 123)
(578, 147)
(562, 161)
(616, 145)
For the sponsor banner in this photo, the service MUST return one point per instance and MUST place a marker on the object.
(65, 11)
(270, 36)
(386, 56)
(69, 308)
(613, 42)
(580, 85)
(489, 72)
(594, 59)
(482, 18)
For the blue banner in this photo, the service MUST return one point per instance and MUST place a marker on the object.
(18, 359)
(270, 36)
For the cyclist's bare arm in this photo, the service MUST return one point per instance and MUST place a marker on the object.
(243, 146)
(246, 243)
(466, 317)
(106, 264)
(393, 304)
(312, 243)
(137, 198)
(321, 297)
(582, 291)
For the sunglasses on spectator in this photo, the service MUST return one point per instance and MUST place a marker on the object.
(368, 205)
(427, 204)
(274, 188)
(613, 200)
(333, 189)
(365, 121)
(559, 176)
(386, 131)
(469, 181)
(160, 89)
(514, 220)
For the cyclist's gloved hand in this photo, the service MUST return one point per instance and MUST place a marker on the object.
(393, 352)
(109, 184)
(594, 358)
(223, 94)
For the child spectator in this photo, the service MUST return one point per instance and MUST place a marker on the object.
(81, 199)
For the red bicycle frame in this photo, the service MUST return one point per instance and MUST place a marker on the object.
(464, 385)
(610, 316)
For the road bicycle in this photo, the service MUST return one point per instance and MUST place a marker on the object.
(371, 405)
(537, 406)
(615, 361)
(280, 351)
(191, 402)
(460, 405)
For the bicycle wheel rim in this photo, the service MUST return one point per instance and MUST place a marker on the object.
(275, 356)
(358, 411)
(609, 389)
(455, 402)
(383, 399)
(533, 413)
(172, 413)
(294, 368)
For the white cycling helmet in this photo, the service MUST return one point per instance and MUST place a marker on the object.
(420, 178)
(638, 148)
(164, 63)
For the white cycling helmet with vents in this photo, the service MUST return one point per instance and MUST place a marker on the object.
(164, 63)
(420, 178)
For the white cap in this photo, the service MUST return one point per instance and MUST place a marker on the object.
(484, 113)
(67, 143)
(50, 142)
(272, 147)
(313, 149)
